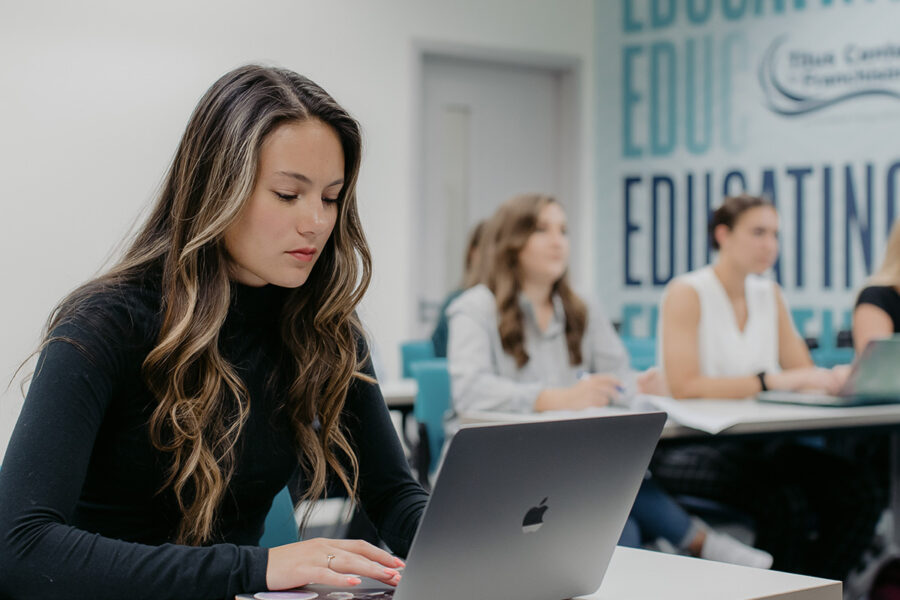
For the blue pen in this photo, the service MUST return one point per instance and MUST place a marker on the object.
(582, 374)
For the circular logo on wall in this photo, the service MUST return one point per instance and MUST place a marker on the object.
(802, 77)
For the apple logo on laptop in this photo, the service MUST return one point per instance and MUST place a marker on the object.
(534, 518)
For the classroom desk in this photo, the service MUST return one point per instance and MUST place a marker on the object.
(643, 575)
(709, 420)
(399, 394)
(637, 574)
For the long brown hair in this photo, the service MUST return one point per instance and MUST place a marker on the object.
(202, 403)
(507, 233)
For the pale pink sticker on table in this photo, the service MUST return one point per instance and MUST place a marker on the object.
(285, 595)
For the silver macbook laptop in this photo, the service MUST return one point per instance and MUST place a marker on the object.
(524, 511)
(874, 379)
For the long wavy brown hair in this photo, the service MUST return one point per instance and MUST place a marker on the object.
(202, 404)
(506, 235)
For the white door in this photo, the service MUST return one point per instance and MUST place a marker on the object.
(491, 130)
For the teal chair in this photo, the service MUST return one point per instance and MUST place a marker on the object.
(641, 352)
(280, 527)
(829, 357)
(412, 351)
(432, 404)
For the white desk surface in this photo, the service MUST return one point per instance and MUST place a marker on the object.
(641, 574)
(399, 392)
(728, 417)
(644, 575)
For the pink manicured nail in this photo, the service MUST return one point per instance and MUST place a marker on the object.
(391, 573)
(399, 562)
(354, 581)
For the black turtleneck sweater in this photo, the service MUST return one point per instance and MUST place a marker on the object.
(81, 515)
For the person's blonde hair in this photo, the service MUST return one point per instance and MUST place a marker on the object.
(505, 236)
(202, 403)
(889, 271)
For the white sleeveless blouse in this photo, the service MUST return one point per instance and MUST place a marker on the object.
(725, 350)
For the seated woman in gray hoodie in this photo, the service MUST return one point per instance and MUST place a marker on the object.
(523, 341)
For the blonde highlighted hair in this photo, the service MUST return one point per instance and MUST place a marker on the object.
(202, 404)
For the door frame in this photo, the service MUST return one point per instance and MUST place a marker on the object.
(570, 69)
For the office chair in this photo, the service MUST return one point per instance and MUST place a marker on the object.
(280, 526)
(432, 403)
(412, 351)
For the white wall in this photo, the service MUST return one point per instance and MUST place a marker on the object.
(95, 95)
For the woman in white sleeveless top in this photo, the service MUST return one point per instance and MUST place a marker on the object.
(726, 332)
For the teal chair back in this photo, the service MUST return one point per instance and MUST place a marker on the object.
(432, 403)
(280, 527)
(641, 352)
(413, 351)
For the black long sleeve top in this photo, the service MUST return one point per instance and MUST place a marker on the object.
(81, 513)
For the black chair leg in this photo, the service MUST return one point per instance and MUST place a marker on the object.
(422, 457)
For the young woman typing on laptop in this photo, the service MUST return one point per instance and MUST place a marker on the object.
(725, 332)
(221, 357)
(524, 341)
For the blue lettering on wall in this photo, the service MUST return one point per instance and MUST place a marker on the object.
(734, 9)
(689, 195)
(681, 202)
(734, 59)
(708, 216)
(630, 98)
(826, 228)
(769, 191)
(629, 24)
(701, 145)
(728, 189)
(660, 17)
(778, 6)
(698, 16)
(630, 229)
(798, 173)
(662, 181)
(863, 228)
(892, 177)
(664, 14)
(662, 79)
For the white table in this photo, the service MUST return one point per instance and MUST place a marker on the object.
(640, 574)
(644, 575)
(399, 393)
(698, 418)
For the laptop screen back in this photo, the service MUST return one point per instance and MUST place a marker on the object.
(531, 510)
